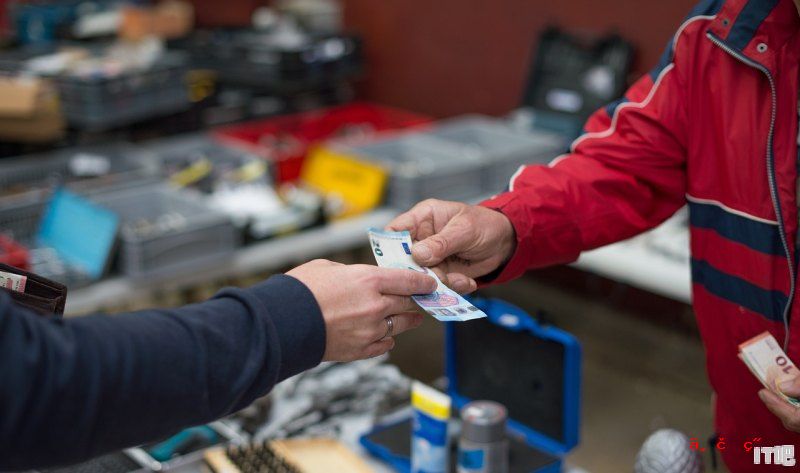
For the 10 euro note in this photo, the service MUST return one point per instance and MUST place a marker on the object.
(767, 361)
(393, 250)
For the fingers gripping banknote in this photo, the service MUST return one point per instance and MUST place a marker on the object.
(767, 361)
(393, 250)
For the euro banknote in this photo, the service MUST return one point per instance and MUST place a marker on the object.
(15, 282)
(767, 361)
(393, 250)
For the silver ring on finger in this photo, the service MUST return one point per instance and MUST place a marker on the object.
(389, 327)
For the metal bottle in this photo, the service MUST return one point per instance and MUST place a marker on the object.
(483, 446)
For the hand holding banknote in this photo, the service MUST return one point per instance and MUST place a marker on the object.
(393, 250)
(363, 306)
(461, 241)
(765, 358)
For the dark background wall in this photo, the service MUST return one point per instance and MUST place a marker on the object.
(446, 57)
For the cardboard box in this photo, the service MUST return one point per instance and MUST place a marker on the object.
(29, 111)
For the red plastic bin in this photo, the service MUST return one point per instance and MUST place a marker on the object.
(285, 140)
(13, 254)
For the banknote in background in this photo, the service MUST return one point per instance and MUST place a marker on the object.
(15, 282)
(393, 250)
(767, 361)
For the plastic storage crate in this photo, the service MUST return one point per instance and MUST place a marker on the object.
(234, 181)
(176, 153)
(99, 103)
(255, 59)
(286, 140)
(502, 149)
(26, 182)
(84, 169)
(422, 167)
(164, 230)
(19, 218)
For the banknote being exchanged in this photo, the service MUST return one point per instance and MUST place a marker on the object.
(393, 250)
(767, 361)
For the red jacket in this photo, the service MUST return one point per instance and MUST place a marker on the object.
(714, 125)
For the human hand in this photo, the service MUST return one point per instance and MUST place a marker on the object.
(787, 413)
(357, 302)
(461, 242)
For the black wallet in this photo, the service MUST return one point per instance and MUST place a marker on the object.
(41, 295)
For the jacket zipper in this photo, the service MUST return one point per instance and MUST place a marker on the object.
(773, 188)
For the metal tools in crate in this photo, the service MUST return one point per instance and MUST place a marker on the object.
(236, 182)
(285, 141)
(165, 230)
(99, 102)
(501, 148)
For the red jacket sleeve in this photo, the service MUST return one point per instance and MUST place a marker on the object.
(625, 175)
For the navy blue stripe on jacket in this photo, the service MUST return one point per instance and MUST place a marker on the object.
(758, 236)
(769, 303)
(748, 21)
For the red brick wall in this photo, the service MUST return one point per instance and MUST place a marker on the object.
(446, 57)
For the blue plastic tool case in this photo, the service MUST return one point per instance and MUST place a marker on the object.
(531, 368)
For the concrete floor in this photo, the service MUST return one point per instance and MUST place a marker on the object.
(643, 363)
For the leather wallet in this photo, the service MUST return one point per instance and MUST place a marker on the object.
(42, 295)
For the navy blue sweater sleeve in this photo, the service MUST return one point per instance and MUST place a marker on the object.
(75, 388)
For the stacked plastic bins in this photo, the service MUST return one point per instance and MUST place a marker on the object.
(165, 231)
(285, 141)
(501, 149)
(262, 60)
(462, 159)
(27, 183)
(99, 102)
(422, 167)
(233, 181)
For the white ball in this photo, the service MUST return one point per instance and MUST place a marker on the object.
(667, 451)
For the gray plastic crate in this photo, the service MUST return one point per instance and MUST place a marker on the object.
(175, 152)
(19, 218)
(121, 165)
(502, 149)
(422, 167)
(165, 231)
(100, 103)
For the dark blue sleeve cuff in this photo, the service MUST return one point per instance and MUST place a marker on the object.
(298, 322)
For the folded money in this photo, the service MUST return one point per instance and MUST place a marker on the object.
(765, 358)
(393, 250)
(15, 282)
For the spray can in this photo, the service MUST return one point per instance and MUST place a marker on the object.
(483, 446)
